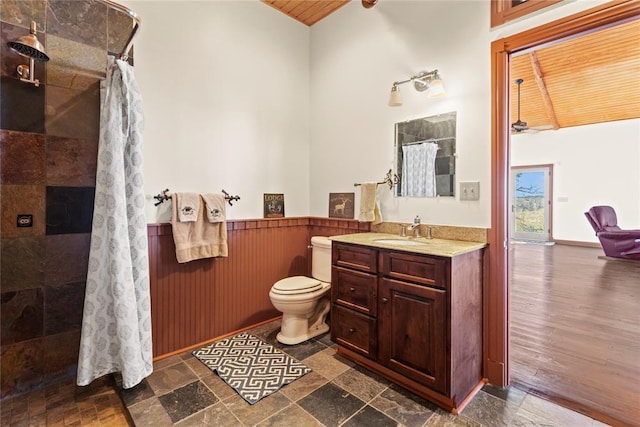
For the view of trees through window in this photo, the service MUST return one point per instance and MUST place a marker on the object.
(529, 200)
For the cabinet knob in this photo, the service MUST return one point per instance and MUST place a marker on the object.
(352, 289)
(385, 300)
(352, 330)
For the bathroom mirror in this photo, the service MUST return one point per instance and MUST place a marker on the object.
(425, 156)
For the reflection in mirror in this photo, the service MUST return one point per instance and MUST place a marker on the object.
(425, 156)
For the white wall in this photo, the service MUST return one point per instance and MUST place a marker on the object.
(356, 55)
(592, 165)
(226, 97)
(241, 97)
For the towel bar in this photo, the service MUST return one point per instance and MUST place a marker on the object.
(389, 179)
(163, 195)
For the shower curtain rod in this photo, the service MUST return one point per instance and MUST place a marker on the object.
(124, 55)
(429, 140)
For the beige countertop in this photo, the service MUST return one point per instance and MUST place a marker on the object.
(420, 245)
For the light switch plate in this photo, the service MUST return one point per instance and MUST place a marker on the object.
(470, 190)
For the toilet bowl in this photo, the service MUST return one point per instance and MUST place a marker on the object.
(304, 301)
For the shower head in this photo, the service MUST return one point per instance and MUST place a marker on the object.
(29, 46)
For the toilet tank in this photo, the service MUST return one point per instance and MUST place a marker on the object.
(321, 258)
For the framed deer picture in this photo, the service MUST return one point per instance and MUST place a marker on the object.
(341, 205)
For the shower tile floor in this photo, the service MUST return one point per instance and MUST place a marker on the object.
(184, 392)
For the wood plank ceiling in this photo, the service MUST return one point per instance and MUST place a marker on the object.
(585, 80)
(589, 79)
(306, 11)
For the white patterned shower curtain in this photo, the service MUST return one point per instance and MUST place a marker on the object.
(419, 169)
(116, 324)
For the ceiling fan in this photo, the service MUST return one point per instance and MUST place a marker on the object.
(521, 127)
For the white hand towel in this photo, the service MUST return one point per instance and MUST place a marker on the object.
(188, 207)
(215, 205)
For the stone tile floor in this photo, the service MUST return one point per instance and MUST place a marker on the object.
(64, 404)
(184, 392)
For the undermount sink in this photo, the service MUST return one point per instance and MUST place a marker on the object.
(400, 242)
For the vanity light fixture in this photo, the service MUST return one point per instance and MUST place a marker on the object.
(29, 47)
(429, 81)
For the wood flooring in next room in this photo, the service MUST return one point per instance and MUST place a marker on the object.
(575, 330)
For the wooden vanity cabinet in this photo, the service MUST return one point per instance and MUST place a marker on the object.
(415, 319)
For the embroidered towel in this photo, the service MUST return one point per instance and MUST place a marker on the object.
(214, 204)
(188, 207)
(369, 205)
(199, 239)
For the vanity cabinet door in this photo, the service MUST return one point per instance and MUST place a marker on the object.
(412, 332)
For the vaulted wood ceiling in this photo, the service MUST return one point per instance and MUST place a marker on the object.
(306, 11)
(589, 79)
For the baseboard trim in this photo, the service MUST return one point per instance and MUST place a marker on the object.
(577, 243)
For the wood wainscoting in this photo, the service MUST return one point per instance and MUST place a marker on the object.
(199, 301)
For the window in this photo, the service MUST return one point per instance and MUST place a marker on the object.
(506, 10)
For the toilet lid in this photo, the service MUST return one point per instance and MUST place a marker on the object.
(296, 285)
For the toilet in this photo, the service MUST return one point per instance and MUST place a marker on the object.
(305, 301)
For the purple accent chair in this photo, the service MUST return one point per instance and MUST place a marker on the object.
(615, 242)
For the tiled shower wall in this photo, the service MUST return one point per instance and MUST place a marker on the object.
(48, 148)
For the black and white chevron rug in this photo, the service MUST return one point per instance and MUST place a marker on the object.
(254, 368)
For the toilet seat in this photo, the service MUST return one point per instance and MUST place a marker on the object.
(296, 285)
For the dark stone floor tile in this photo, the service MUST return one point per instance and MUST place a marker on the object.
(221, 389)
(199, 368)
(331, 405)
(362, 383)
(170, 378)
(298, 351)
(291, 415)
(133, 395)
(253, 414)
(216, 415)
(149, 413)
(369, 416)
(403, 406)
(490, 411)
(442, 418)
(325, 339)
(187, 400)
(510, 394)
(304, 386)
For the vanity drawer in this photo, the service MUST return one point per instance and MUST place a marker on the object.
(354, 330)
(356, 257)
(355, 289)
(425, 270)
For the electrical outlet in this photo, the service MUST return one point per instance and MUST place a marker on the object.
(470, 190)
(24, 220)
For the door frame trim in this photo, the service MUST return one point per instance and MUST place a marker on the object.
(496, 330)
